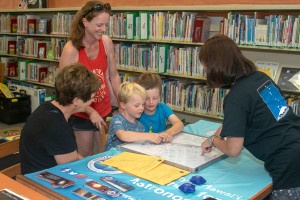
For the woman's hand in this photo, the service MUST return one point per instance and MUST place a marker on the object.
(206, 147)
(97, 120)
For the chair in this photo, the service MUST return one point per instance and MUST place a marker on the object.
(103, 137)
(7, 151)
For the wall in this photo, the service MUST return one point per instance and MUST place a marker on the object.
(13, 4)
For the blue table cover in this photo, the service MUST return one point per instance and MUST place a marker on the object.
(229, 179)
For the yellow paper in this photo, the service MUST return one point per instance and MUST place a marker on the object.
(147, 167)
(132, 162)
(163, 174)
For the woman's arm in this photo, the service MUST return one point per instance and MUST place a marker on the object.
(67, 158)
(69, 55)
(232, 146)
(112, 67)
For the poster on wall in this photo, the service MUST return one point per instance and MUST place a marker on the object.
(22, 4)
(37, 3)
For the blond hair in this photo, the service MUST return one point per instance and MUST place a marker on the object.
(127, 89)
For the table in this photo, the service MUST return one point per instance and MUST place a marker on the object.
(232, 178)
(20, 189)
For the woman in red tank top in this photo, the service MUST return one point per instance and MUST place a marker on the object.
(88, 45)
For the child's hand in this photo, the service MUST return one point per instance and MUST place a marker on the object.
(167, 137)
(155, 138)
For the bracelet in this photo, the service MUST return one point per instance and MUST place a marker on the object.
(211, 139)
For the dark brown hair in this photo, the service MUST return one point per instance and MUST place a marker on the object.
(224, 61)
(149, 81)
(88, 11)
(75, 81)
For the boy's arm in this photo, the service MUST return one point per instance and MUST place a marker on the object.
(131, 136)
(177, 127)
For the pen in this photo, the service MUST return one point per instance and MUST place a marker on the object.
(150, 129)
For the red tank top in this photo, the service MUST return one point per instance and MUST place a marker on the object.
(98, 66)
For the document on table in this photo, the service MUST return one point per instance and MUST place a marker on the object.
(147, 167)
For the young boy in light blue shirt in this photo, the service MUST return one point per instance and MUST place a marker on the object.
(155, 113)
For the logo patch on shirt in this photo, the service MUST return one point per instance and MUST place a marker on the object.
(273, 99)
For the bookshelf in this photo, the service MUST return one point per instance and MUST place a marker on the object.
(287, 57)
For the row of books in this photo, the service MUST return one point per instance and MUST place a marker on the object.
(193, 97)
(188, 96)
(199, 98)
(295, 105)
(50, 48)
(159, 58)
(263, 29)
(29, 70)
(10, 66)
(178, 26)
(294, 102)
(246, 29)
(56, 24)
(171, 59)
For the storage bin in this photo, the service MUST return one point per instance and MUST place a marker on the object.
(15, 110)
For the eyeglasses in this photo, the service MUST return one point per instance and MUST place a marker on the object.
(99, 7)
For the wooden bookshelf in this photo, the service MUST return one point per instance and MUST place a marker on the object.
(31, 82)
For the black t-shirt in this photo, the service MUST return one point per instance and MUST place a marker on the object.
(255, 109)
(46, 133)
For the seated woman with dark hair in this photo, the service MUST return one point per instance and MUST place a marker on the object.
(47, 139)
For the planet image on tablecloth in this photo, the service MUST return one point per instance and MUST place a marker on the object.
(95, 165)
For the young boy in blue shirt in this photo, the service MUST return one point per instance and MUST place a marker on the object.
(123, 126)
(155, 113)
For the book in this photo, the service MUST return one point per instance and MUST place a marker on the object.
(13, 24)
(23, 69)
(31, 26)
(201, 29)
(163, 51)
(131, 77)
(7, 60)
(41, 26)
(261, 32)
(42, 47)
(130, 25)
(288, 78)
(42, 72)
(12, 47)
(4, 89)
(269, 68)
(12, 69)
(20, 45)
(144, 25)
